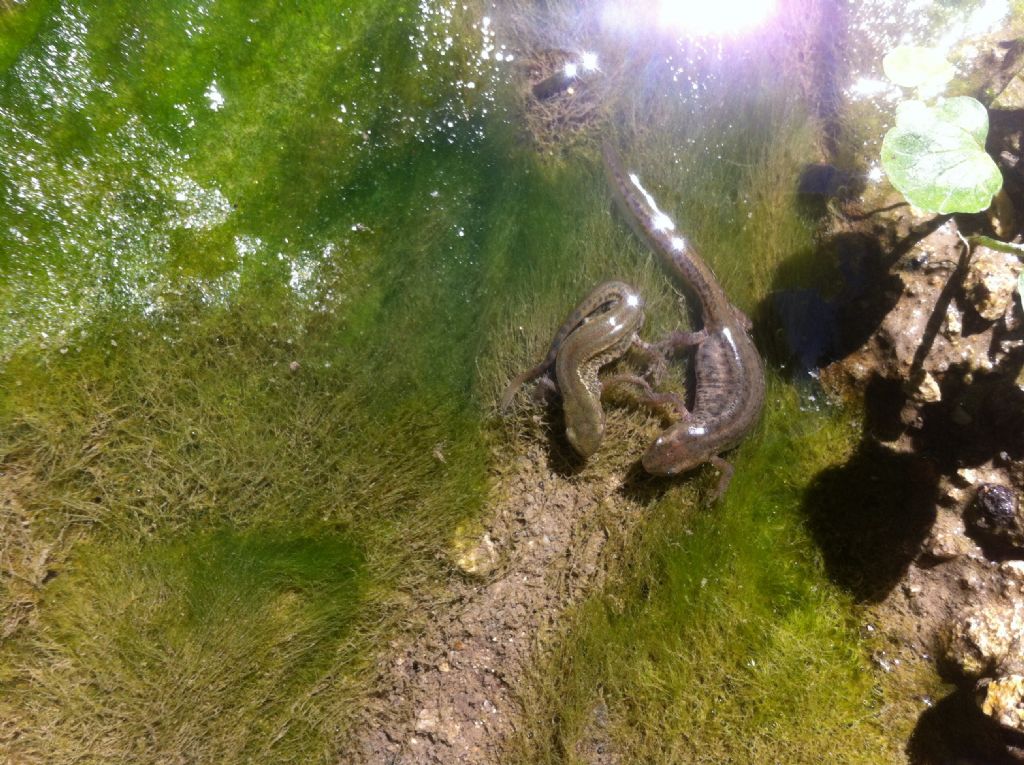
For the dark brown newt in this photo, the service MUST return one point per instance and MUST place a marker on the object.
(729, 372)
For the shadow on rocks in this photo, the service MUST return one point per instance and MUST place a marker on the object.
(869, 517)
(803, 329)
(955, 732)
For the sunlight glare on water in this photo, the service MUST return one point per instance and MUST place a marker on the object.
(82, 232)
(83, 208)
(881, 25)
(689, 18)
(718, 18)
(98, 188)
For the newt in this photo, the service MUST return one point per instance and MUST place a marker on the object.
(601, 329)
(730, 383)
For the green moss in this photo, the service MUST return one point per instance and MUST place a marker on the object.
(273, 333)
(725, 641)
(198, 646)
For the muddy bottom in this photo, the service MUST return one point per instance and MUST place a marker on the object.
(452, 695)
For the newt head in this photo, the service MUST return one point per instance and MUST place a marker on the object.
(585, 436)
(682, 447)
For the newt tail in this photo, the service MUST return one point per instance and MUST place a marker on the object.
(730, 384)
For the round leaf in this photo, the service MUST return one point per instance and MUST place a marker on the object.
(966, 113)
(913, 66)
(940, 169)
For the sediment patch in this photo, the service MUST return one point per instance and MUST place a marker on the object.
(452, 694)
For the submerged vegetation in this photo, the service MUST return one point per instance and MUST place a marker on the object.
(722, 643)
(265, 270)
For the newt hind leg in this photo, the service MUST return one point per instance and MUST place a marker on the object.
(726, 469)
(677, 341)
(649, 397)
(655, 363)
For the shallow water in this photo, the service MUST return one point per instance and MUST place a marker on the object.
(263, 267)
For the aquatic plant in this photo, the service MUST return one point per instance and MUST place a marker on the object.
(935, 153)
(721, 637)
(234, 502)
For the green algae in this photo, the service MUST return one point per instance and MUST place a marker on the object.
(252, 341)
(724, 640)
(199, 646)
(19, 22)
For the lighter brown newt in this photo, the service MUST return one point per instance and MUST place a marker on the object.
(601, 339)
(601, 329)
(729, 373)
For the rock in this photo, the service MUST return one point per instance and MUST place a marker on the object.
(1002, 699)
(947, 539)
(925, 388)
(438, 725)
(996, 514)
(476, 556)
(427, 720)
(967, 476)
(985, 641)
(1012, 572)
(1002, 216)
(953, 323)
(990, 282)
(1012, 96)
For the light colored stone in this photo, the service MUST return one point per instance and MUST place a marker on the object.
(427, 720)
(985, 638)
(1002, 699)
(991, 281)
(476, 556)
(947, 545)
(438, 725)
(928, 390)
(967, 476)
(1012, 574)
(1012, 96)
(953, 324)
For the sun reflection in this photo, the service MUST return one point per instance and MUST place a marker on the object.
(659, 221)
(713, 18)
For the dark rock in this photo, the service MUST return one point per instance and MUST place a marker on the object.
(996, 514)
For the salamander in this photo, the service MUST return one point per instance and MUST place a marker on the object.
(730, 383)
(598, 331)
(601, 339)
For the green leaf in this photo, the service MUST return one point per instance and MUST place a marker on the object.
(913, 66)
(966, 113)
(940, 167)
